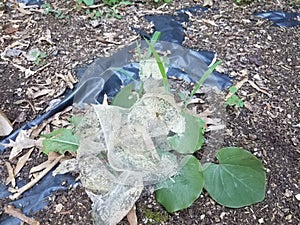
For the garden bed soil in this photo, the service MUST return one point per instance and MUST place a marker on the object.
(250, 47)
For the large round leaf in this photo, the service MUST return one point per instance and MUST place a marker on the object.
(238, 180)
(192, 139)
(182, 190)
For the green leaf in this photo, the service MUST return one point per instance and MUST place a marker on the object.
(192, 139)
(125, 98)
(233, 89)
(160, 64)
(43, 55)
(88, 2)
(240, 103)
(75, 120)
(60, 141)
(238, 180)
(234, 100)
(182, 190)
(202, 79)
(155, 37)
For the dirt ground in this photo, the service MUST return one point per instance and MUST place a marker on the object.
(250, 47)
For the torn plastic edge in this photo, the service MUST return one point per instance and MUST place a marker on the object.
(280, 18)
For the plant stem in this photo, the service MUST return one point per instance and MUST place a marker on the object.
(201, 81)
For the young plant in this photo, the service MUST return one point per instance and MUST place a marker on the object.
(234, 100)
(48, 9)
(86, 2)
(39, 57)
(94, 14)
(237, 173)
(111, 10)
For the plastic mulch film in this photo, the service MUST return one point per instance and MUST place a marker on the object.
(281, 18)
(31, 2)
(123, 67)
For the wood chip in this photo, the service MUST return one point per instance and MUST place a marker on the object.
(43, 92)
(11, 30)
(40, 167)
(208, 3)
(17, 213)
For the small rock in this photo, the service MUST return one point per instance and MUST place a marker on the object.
(297, 197)
(252, 137)
(288, 217)
(58, 208)
(222, 215)
(256, 77)
(261, 220)
(14, 52)
(288, 193)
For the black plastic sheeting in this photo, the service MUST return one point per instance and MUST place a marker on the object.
(282, 19)
(106, 75)
(170, 26)
(32, 2)
(36, 198)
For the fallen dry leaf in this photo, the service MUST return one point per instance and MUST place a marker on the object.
(255, 86)
(11, 30)
(29, 185)
(22, 142)
(131, 216)
(51, 157)
(22, 161)
(17, 213)
(5, 125)
(208, 3)
(11, 176)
